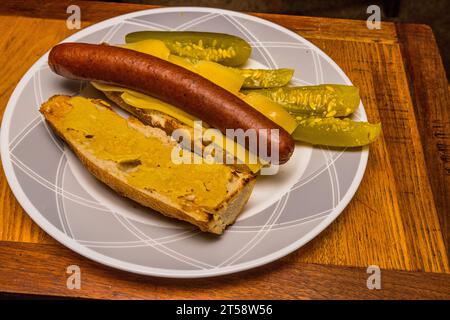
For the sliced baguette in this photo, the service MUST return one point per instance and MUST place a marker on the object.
(111, 173)
(150, 117)
(168, 124)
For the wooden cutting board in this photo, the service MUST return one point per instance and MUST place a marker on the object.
(398, 219)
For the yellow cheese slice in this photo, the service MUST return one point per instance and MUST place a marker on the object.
(139, 100)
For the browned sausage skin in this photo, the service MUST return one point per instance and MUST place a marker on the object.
(167, 82)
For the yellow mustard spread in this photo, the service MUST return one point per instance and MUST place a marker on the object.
(141, 101)
(146, 160)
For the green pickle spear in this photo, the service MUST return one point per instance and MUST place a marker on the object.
(325, 100)
(335, 132)
(265, 78)
(223, 48)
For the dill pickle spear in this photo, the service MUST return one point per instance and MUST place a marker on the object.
(265, 78)
(326, 100)
(335, 132)
(218, 47)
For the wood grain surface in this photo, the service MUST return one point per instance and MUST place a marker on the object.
(397, 220)
(38, 268)
(428, 83)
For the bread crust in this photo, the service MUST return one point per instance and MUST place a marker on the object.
(214, 221)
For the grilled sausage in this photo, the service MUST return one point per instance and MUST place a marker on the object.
(169, 83)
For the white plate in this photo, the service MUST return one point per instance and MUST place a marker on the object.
(283, 213)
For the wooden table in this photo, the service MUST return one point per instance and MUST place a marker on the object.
(398, 220)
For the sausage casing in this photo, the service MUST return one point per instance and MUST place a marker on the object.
(169, 83)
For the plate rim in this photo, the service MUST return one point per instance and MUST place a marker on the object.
(88, 253)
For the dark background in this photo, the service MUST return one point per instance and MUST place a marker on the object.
(434, 13)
